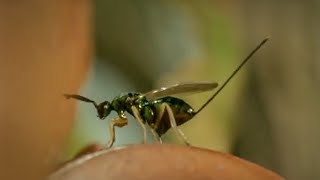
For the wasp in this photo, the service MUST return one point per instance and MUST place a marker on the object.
(158, 108)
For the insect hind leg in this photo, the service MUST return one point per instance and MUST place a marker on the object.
(156, 136)
(173, 125)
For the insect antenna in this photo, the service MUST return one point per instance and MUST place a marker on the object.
(232, 75)
(81, 98)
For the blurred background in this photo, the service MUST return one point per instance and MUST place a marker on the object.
(269, 113)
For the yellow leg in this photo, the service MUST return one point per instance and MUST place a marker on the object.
(174, 125)
(119, 122)
(156, 124)
(140, 121)
(159, 117)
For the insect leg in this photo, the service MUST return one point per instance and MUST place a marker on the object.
(174, 125)
(140, 121)
(159, 117)
(156, 124)
(155, 134)
(119, 122)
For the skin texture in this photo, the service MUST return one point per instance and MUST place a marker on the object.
(45, 47)
(156, 161)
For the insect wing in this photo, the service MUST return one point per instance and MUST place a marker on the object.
(181, 88)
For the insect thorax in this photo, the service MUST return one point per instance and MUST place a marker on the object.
(123, 102)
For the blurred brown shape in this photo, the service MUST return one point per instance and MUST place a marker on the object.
(45, 47)
(161, 162)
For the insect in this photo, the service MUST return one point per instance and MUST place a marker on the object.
(158, 108)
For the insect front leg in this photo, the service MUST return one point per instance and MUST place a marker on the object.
(119, 122)
(174, 124)
(140, 121)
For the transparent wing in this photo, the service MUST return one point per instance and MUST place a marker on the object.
(181, 88)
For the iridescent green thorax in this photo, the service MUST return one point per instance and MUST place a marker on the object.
(124, 102)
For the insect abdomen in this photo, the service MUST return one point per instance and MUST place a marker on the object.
(181, 110)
